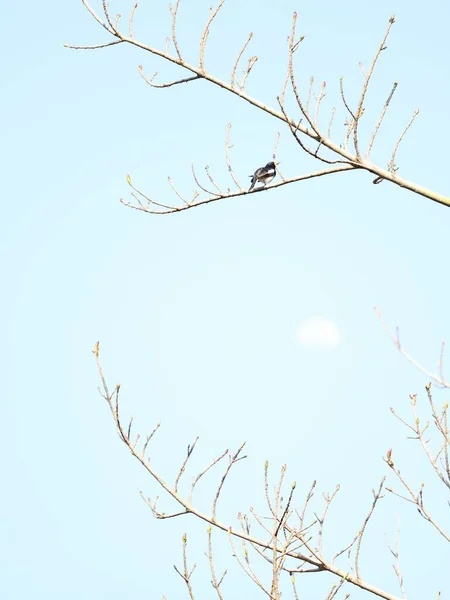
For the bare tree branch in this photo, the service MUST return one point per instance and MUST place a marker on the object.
(280, 551)
(311, 130)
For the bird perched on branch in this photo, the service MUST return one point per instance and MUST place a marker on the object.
(263, 175)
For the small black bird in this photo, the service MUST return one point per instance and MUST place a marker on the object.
(263, 174)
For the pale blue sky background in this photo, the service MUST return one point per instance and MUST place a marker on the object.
(197, 313)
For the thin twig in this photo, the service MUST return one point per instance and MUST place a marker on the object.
(359, 110)
(212, 16)
(96, 47)
(149, 80)
(228, 159)
(233, 460)
(380, 120)
(190, 450)
(200, 475)
(239, 56)
(174, 13)
(376, 498)
(392, 168)
(434, 377)
(251, 63)
(131, 19)
(215, 582)
(333, 112)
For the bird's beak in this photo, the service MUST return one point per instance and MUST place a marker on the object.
(278, 163)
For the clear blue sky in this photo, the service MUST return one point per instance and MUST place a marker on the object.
(198, 313)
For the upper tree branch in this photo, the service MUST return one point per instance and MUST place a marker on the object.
(311, 131)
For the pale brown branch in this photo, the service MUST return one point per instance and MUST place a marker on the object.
(211, 178)
(266, 487)
(274, 155)
(259, 520)
(348, 133)
(201, 186)
(141, 194)
(294, 131)
(96, 17)
(186, 574)
(335, 589)
(396, 565)
(212, 16)
(346, 548)
(441, 423)
(285, 512)
(161, 515)
(215, 582)
(308, 97)
(246, 568)
(189, 451)
(308, 498)
(96, 47)
(397, 416)
(303, 109)
(174, 209)
(294, 588)
(239, 56)
(131, 19)
(108, 19)
(319, 99)
(436, 378)
(233, 460)
(200, 475)
(113, 403)
(149, 80)
(174, 13)
(283, 87)
(344, 100)
(376, 498)
(149, 438)
(380, 120)
(416, 499)
(392, 168)
(177, 192)
(359, 110)
(251, 63)
(228, 159)
(381, 174)
(333, 112)
(424, 443)
(328, 500)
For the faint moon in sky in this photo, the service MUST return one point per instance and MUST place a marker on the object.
(318, 331)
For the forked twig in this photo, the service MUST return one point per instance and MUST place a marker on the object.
(359, 110)
(433, 376)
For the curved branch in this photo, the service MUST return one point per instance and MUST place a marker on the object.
(149, 80)
(216, 197)
(437, 378)
(206, 34)
(313, 134)
(316, 561)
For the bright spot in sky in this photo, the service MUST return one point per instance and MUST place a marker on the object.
(318, 331)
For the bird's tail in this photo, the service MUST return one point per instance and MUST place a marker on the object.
(253, 183)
